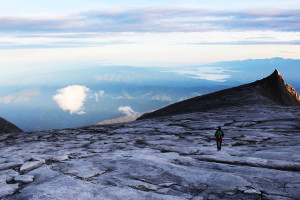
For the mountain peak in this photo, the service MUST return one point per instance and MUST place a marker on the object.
(275, 75)
(274, 88)
(270, 90)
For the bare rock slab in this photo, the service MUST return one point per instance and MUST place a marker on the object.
(28, 166)
(24, 178)
(252, 191)
(61, 158)
(163, 191)
(8, 189)
(10, 165)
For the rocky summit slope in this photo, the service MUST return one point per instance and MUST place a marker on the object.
(270, 90)
(168, 157)
(7, 127)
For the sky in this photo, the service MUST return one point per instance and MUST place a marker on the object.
(44, 34)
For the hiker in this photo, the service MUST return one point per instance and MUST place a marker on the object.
(219, 135)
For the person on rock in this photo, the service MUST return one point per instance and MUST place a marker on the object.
(219, 135)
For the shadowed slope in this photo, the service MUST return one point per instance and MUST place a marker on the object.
(7, 127)
(270, 90)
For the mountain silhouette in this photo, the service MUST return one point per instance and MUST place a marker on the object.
(7, 127)
(270, 90)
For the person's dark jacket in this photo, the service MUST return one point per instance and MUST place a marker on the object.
(219, 134)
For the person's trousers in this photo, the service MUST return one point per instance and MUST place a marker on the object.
(219, 144)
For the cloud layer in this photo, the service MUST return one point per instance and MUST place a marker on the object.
(93, 28)
(207, 73)
(128, 111)
(71, 98)
(21, 96)
(157, 20)
(152, 35)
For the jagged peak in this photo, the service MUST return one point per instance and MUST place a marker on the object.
(275, 75)
(270, 90)
(275, 89)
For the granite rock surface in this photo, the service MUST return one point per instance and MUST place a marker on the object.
(171, 157)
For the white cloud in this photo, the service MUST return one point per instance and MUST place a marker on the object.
(128, 111)
(162, 97)
(72, 98)
(99, 94)
(21, 96)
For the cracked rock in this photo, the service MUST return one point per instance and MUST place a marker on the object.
(61, 158)
(28, 166)
(163, 191)
(8, 189)
(252, 191)
(24, 178)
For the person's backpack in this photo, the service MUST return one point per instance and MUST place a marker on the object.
(219, 134)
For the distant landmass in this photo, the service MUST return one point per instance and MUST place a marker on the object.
(119, 120)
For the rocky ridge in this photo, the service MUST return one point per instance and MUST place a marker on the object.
(167, 157)
(7, 127)
(270, 90)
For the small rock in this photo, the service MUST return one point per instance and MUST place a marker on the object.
(144, 187)
(10, 165)
(3, 178)
(7, 176)
(152, 187)
(198, 198)
(166, 184)
(252, 191)
(163, 191)
(212, 197)
(24, 178)
(9, 172)
(61, 158)
(230, 193)
(275, 197)
(242, 188)
(8, 189)
(30, 166)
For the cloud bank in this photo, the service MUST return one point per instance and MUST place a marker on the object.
(157, 19)
(208, 73)
(128, 111)
(21, 96)
(93, 28)
(72, 98)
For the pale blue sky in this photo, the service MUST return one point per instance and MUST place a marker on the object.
(145, 33)
(44, 7)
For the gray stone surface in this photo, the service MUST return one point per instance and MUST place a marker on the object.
(24, 178)
(7, 189)
(30, 166)
(163, 158)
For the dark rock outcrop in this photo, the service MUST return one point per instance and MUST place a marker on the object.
(274, 88)
(7, 127)
(270, 90)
